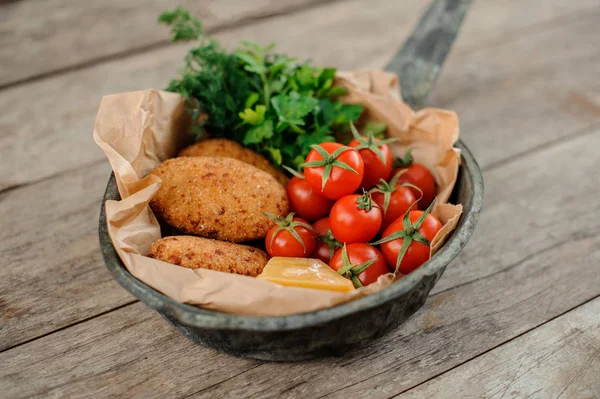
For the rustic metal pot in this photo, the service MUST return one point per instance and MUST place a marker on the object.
(334, 330)
(320, 333)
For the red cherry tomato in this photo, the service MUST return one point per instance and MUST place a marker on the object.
(321, 226)
(358, 254)
(375, 167)
(355, 218)
(326, 244)
(393, 200)
(417, 253)
(400, 200)
(305, 202)
(340, 181)
(281, 242)
(418, 175)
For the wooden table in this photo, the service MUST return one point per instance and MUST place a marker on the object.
(517, 314)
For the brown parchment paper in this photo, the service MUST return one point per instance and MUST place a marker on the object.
(138, 130)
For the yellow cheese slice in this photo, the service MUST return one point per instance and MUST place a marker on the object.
(306, 273)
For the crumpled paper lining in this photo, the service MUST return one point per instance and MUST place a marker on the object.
(138, 130)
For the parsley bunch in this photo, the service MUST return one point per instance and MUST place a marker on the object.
(272, 103)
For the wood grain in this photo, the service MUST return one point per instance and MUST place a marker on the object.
(72, 124)
(360, 35)
(461, 323)
(453, 327)
(52, 273)
(61, 34)
(523, 79)
(46, 129)
(132, 351)
(550, 90)
(559, 359)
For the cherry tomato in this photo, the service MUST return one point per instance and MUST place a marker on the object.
(320, 162)
(355, 218)
(421, 177)
(326, 244)
(358, 254)
(376, 157)
(321, 226)
(417, 253)
(281, 242)
(305, 202)
(400, 200)
(393, 200)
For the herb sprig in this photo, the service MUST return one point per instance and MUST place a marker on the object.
(277, 105)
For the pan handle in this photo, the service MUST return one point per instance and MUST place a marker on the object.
(419, 61)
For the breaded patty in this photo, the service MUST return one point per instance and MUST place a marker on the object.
(196, 252)
(230, 149)
(220, 198)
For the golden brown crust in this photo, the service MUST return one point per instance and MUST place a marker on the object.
(230, 149)
(196, 252)
(220, 198)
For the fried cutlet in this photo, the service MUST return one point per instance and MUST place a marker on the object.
(230, 149)
(220, 198)
(196, 252)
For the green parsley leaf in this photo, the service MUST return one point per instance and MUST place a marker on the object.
(336, 113)
(293, 108)
(271, 103)
(376, 129)
(335, 92)
(275, 156)
(304, 141)
(253, 117)
(348, 113)
(259, 133)
(251, 100)
(254, 63)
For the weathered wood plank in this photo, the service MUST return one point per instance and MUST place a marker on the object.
(51, 272)
(131, 352)
(559, 359)
(506, 302)
(452, 328)
(550, 96)
(60, 34)
(46, 130)
(530, 217)
(76, 302)
(358, 35)
(75, 128)
(531, 288)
